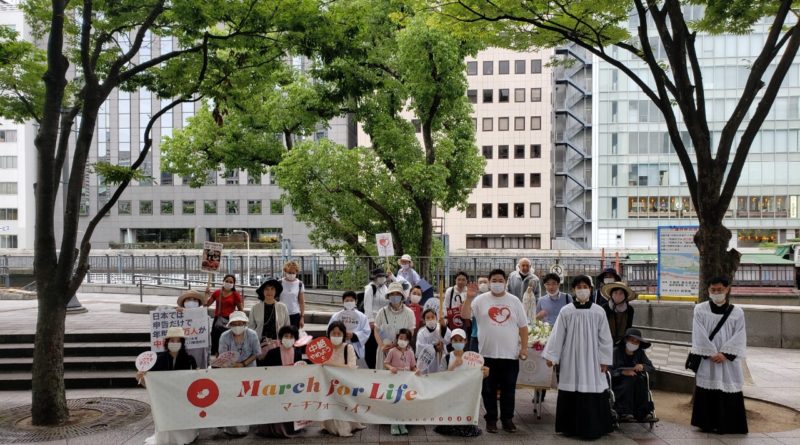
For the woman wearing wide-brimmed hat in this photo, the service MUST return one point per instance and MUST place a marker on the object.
(192, 299)
(618, 310)
(268, 316)
(631, 392)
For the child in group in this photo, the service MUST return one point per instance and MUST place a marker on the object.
(413, 303)
(400, 358)
(434, 333)
(458, 340)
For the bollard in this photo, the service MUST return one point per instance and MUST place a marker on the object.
(141, 291)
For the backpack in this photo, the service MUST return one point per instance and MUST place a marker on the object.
(360, 297)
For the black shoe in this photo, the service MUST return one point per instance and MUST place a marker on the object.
(491, 426)
(508, 426)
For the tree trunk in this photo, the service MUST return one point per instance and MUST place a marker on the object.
(715, 259)
(49, 401)
(425, 208)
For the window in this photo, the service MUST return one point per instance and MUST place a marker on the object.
(536, 151)
(275, 207)
(188, 207)
(166, 178)
(487, 181)
(536, 94)
(502, 180)
(472, 211)
(167, 207)
(254, 207)
(519, 94)
(502, 124)
(8, 188)
(536, 66)
(8, 135)
(536, 179)
(486, 211)
(536, 122)
(519, 210)
(536, 210)
(232, 207)
(519, 179)
(475, 124)
(504, 242)
(519, 123)
(502, 152)
(488, 123)
(210, 206)
(488, 151)
(519, 67)
(488, 96)
(8, 241)
(232, 177)
(211, 178)
(146, 207)
(503, 95)
(519, 152)
(477, 242)
(123, 207)
(8, 214)
(472, 95)
(502, 67)
(488, 67)
(253, 179)
(8, 162)
(472, 68)
(502, 210)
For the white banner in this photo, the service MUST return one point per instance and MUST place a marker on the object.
(250, 396)
(193, 321)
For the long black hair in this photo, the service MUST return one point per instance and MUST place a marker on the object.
(233, 289)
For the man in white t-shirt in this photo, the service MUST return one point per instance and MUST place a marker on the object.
(502, 328)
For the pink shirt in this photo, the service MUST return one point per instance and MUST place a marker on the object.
(402, 360)
(287, 356)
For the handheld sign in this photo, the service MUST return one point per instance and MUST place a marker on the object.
(212, 253)
(145, 361)
(319, 350)
(225, 359)
(472, 359)
(426, 355)
(385, 244)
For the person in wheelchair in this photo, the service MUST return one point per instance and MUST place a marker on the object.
(629, 378)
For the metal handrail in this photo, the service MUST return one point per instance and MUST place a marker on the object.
(674, 331)
(188, 281)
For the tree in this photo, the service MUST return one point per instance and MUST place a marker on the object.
(91, 49)
(674, 82)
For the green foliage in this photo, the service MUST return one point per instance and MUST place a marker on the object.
(22, 66)
(117, 174)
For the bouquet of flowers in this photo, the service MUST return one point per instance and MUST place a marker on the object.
(538, 333)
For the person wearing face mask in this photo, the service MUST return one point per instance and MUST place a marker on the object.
(268, 316)
(374, 299)
(523, 278)
(227, 300)
(453, 300)
(407, 271)
(502, 328)
(629, 378)
(400, 358)
(580, 343)
(344, 356)
(607, 276)
(619, 311)
(548, 307)
(483, 287)
(356, 325)
(390, 320)
(286, 354)
(293, 294)
(414, 297)
(240, 339)
(192, 300)
(175, 358)
(718, 400)
(434, 333)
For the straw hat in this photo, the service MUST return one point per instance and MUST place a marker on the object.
(201, 297)
(405, 257)
(607, 289)
(175, 332)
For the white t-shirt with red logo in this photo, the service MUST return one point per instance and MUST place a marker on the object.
(499, 320)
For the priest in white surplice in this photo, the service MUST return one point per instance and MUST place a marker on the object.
(357, 324)
(580, 344)
(718, 400)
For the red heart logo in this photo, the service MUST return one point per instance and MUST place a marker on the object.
(383, 242)
(500, 314)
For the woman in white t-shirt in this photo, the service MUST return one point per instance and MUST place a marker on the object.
(293, 294)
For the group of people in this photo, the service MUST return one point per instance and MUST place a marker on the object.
(592, 337)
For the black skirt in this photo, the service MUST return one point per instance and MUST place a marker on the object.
(584, 415)
(719, 412)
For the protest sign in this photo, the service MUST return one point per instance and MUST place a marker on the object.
(194, 322)
(472, 359)
(319, 350)
(385, 244)
(426, 355)
(145, 361)
(225, 359)
(212, 253)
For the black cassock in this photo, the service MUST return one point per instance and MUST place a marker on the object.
(631, 393)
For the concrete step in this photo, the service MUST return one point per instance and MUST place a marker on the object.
(81, 363)
(16, 381)
(82, 337)
(91, 349)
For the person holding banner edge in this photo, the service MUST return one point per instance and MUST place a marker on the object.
(344, 356)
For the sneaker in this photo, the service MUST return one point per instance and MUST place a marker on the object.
(508, 426)
(403, 429)
(491, 426)
(395, 430)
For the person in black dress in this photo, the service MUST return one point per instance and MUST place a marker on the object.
(631, 392)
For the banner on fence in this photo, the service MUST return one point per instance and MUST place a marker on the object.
(249, 396)
(678, 261)
(193, 321)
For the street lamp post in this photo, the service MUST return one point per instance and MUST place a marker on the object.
(247, 234)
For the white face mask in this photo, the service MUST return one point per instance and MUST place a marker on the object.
(631, 346)
(227, 286)
(380, 281)
(287, 342)
(405, 266)
(430, 324)
(483, 287)
(174, 347)
(718, 299)
(238, 330)
(609, 280)
(402, 343)
(190, 304)
(458, 346)
(497, 288)
(395, 299)
(553, 294)
(349, 305)
(337, 340)
(582, 295)
(291, 276)
(415, 298)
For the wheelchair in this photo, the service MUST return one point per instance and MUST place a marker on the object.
(616, 419)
